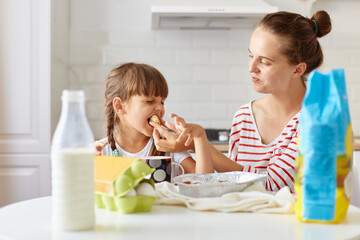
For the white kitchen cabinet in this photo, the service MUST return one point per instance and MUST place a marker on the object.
(25, 75)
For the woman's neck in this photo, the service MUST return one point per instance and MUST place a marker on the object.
(288, 102)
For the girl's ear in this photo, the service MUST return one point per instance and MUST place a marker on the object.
(299, 70)
(119, 105)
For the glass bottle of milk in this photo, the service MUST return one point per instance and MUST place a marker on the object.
(72, 159)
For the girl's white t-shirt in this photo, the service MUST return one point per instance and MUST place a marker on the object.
(145, 152)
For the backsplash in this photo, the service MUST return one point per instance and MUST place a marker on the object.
(206, 70)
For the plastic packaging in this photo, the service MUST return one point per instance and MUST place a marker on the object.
(72, 159)
(323, 176)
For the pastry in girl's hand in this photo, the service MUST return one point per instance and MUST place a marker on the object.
(155, 118)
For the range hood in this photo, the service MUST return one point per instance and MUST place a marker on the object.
(208, 14)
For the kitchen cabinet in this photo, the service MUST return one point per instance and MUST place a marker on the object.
(25, 74)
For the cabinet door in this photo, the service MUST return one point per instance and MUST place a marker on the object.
(25, 30)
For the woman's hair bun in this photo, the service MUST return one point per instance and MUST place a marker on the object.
(322, 23)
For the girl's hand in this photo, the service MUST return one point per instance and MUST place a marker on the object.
(181, 137)
(166, 141)
(99, 146)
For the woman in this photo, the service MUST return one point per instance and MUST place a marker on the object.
(283, 50)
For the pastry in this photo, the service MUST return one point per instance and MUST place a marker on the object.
(155, 118)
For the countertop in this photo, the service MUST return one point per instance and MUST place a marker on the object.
(222, 147)
(357, 144)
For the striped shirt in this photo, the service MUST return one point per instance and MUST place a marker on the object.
(277, 159)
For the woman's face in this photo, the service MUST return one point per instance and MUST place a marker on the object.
(138, 110)
(270, 70)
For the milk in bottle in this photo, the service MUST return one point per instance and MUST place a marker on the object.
(72, 160)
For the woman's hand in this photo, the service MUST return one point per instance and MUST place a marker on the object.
(188, 131)
(167, 141)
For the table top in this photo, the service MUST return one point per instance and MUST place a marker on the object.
(32, 220)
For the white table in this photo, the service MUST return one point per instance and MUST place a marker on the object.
(32, 220)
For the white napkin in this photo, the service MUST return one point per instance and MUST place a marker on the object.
(253, 199)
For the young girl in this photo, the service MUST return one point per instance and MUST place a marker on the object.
(283, 50)
(133, 94)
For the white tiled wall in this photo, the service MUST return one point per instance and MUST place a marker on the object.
(206, 70)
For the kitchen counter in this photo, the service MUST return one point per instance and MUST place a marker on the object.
(222, 147)
(357, 144)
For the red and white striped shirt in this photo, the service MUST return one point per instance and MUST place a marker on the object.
(277, 159)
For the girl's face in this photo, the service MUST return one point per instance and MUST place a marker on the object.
(270, 70)
(137, 111)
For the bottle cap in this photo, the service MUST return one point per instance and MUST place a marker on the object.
(73, 95)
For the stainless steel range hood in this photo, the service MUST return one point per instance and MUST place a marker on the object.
(208, 14)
